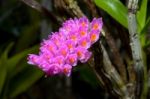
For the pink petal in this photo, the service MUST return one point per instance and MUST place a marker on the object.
(57, 39)
(94, 36)
(53, 69)
(48, 45)
(63, 50)
(66, 69)
(72, 59)
(83, 32)
(33, 59)
(70, 44)
(96, 24)
(80, 51)
(88, 54)
(83, 22)
(73, 37)
(59, 60)
(84, 42)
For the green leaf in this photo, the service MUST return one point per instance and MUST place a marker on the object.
(13, 61)
(147, 24)
(143, 33)
(115, 9)
(147, 43)
(7, 50)
(28, 37)
(87, 75)
(141, 15)
(3, 68)
(24, 80)
(3, 74)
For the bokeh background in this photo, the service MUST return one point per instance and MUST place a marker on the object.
(22, 28)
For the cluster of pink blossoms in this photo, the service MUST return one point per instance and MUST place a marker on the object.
(63, 49)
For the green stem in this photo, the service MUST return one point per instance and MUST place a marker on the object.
(136, 49)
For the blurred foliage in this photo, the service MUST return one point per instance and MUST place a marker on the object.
(116, 9)
(16, 74)
(21, 27)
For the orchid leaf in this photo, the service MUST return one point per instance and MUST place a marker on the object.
(115, 9)
(141, 15)
(24, 80)
(13, 61)
(3, 68)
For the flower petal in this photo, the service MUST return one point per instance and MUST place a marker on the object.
(66, 69)
(96, 24)
(72, 59)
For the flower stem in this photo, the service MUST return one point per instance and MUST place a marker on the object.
(136, 48)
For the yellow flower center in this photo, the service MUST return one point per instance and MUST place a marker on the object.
(71, 60)
(95, 26)
(63, 52)
(93, 37)
(79, 53)
(66, 70)
(82, 33)
(60, 61)
(84, 43)
(73, 37)
(51, 48)
(70, 46)
(48, 57)
(83, 24)
(56, 42)
(68, 28)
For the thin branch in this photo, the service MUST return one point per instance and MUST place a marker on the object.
(92, 65)
(114, 76)
(35, 5)
(111, 42)
(71, 6)
(116, 55)
(108, 73)
(90, 4)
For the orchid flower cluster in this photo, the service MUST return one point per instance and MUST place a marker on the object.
(63, 49)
